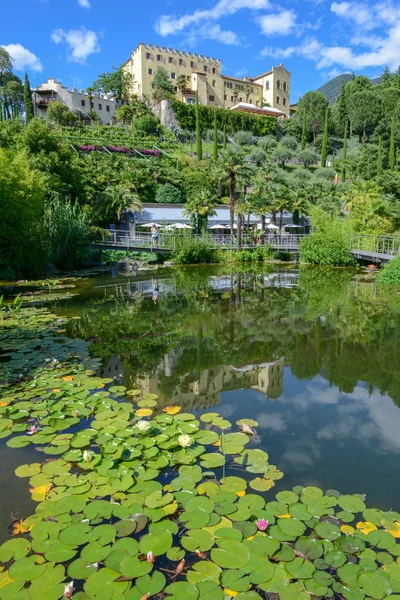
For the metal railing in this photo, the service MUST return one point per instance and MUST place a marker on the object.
(373, 244)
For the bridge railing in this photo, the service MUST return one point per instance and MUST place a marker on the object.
(387, 245)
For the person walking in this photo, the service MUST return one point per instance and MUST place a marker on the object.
(154, 236)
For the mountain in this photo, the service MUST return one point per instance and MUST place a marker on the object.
(332, 88)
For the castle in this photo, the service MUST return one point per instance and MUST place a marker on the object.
(203, 75)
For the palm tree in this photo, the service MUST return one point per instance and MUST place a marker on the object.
(300, 205)
(232, 160)
(115, 200)
(260, 199)
(200, 205)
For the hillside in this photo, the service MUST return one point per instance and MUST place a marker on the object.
(332, 88)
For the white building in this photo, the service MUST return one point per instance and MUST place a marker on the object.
(51, 90)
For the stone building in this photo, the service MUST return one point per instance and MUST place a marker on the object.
(51, 90)
(203, 74)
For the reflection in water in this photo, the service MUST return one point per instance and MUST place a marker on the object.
(323, 343)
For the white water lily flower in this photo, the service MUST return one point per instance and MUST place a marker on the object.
(87, 455)
(69, 590)
(185, 440)
(143, 425)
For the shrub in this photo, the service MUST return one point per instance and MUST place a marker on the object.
(267, 142)
(59, 114)
(257, 156)
(233, 120)
(168, 194)
(191, 250)
(147, 125)
(324, 173)
(308, 157)
(326, 249)
(210, 136)
(243, 138)
(390, 274)
(289, 141)
(282, 155)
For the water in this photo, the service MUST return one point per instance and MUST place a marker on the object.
(312, 355)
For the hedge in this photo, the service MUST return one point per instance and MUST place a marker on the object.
(326, 249)
(234, 120)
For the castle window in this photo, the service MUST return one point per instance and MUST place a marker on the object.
(214, 70)
(100, 106)
(83, 102)
(170, 59)
(211, 98)
(148, 55)
(150, 71)
(205, 69)
(213, 82)
(240, 99)
(92, 105)
(284, 101)
(284, 86)
(231, 98)
(267, 85)
(159, 57)
(278, 85)
(172, 75)
(277, 100)
(107, 108)
(225, 97)
(192, 64)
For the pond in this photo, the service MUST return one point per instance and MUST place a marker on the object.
(311, 354)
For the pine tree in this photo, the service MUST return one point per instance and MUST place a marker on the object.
(344, 153)
(215, 149)
(199, 146)
(392, 150)
(380, 164)
(386, 77)
(324, 150)
(342, 106)
(28, 104)
(224, 146)
(304, 131)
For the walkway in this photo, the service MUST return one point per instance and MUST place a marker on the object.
(374, 249)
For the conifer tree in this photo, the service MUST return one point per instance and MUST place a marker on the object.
(224, 146)
(28, 104)
(324, 150)
(392, 150)
(304, 131)
(215, 149)
(199, 146)
(344, 153)
(380, 163)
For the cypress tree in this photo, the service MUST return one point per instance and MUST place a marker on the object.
(215, 149)
(380, 165)
(324, 150)
(304, 131)
(28, 104)
(392, 152)
(224, 136)
(199, 146)
(344, 153)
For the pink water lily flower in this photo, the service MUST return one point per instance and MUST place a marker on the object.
(32, 430)
(262, 524)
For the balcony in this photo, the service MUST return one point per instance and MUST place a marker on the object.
(44, 102)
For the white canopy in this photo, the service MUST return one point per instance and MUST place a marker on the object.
(218, 227)
(271, 226)
(149, 225)
(178, 226)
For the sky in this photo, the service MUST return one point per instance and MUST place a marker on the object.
(75, 40)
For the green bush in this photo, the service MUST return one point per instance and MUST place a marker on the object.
(191, 250)
(390, 274)
(169, 194)
(326, 249)
(233, 120)
(243, 138)
(147, 125)
(258, 254)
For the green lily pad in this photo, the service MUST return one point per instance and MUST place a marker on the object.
(300, 568)
(182, 591)
(353, 504)
(230, 554)
(151, 584)
(102, 584)
(375, 584)
(197, 539)
(157, 543)
(27, 569)
(381, 539)
(327, 531)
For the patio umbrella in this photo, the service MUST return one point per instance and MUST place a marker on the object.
(271, 226)
(293, 226)
(217, 227)
(149, 225)
(178, 226)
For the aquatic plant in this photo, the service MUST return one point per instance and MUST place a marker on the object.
(127, 510)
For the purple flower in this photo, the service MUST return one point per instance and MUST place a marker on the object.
(262, 524)
(32, 430)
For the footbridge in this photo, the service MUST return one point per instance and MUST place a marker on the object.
(370, 248)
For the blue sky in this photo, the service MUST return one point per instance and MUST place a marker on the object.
(75, 40)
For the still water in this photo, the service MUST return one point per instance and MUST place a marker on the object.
(313, 355)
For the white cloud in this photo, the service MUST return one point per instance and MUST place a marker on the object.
(84, 3)
(81, 43)
(278, 23)
(211, 32)
(360, 14)
(171, 24)
(23, 59)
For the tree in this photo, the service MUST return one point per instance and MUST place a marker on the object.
(386, 77)
(289, 141)
(116, 83)
(146, 125)
(181, 84)
(232, 161)
(115, 201)
(364, 111)
(215, 146)
(28, 104)
(392, 149)
(324, 150)
(282, 155)
(125, 114)
(343, 111)
(200, 205)
(169, 194)
(314, 104)
(224, 145)
(59, 114)
(243, 138)
(260, 199)
(304, 131)
(344, 153)
(308, 157)
(380, 162)
(199, 146)
(162, 86)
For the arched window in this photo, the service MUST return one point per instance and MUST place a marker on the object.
(284, 86)
(267, 85)
(278, 84)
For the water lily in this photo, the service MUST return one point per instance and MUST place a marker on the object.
(150, 558)
(185, 440)
(69, 590)
(262, 524)
(87, 455)
(32, 430)
(143, 425)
